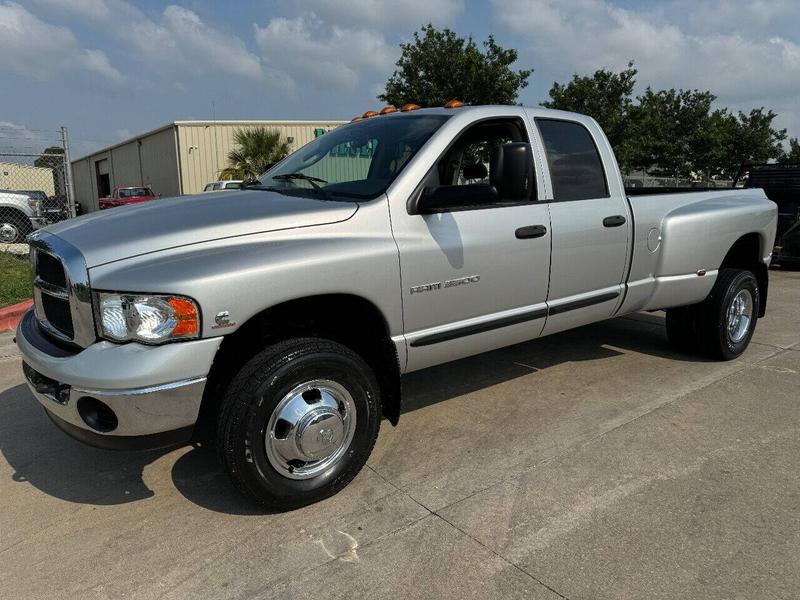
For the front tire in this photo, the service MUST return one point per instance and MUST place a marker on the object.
(14, 228)
(298, 422)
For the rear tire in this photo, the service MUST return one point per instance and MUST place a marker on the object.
(722, 325)
(727, 318)
(298, 422)
(682, 329)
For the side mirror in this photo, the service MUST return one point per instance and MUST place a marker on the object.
(511, 171)
(449, 197)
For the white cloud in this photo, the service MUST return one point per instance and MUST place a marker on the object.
(37, 50)
(583, 35)
(14, 131)
(179, 40)
(182, 38)
(391, 15)
(309, 51)
(91, 10)
(122, 134)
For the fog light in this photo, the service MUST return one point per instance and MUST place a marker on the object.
(97, 414)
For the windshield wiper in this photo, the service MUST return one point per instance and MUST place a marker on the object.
(314, 181)
(255, 185)
(303, 176)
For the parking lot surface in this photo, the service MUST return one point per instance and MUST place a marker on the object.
(591, 464)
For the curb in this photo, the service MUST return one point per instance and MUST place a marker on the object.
(11, 315)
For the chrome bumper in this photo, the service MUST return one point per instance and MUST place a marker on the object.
(138, 411)
(126, 378)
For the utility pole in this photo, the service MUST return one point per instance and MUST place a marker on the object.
(68, 173)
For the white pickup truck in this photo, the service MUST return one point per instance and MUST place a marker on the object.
(20, 213)
(282, 319)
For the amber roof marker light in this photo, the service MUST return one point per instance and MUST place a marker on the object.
(354, 119)
(388, 110)
(369, 113)
(409, 106)
(454, 104)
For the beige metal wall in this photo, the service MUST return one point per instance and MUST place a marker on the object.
(14, 176)
(160, 163)
(82, 182)
(180, 158)
(204, 145)
(150, 159)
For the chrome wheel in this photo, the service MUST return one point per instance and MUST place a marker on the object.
(740, 315)
(9, 232)
(310, 429)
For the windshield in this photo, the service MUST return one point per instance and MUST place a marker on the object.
(134, 192)
(359, 160)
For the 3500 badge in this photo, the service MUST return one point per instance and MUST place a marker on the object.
(430, 287)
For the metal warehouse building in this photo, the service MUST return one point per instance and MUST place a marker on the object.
(179, 158)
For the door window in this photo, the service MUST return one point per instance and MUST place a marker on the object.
(467, 161)
(576, 170)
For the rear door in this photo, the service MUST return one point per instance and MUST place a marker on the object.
(591, 225)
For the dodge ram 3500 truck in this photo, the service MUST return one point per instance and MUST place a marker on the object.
(283, 318)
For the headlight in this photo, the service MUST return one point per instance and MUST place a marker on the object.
(150, 319)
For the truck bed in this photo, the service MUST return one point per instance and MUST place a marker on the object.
(653, 191)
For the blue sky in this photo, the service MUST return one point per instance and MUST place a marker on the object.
(109, 69)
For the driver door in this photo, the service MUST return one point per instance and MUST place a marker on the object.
(472, 279)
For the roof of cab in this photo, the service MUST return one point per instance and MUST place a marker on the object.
(534, 111)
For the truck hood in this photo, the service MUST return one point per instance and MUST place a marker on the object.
(126, 231)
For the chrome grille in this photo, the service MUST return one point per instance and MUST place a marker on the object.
(61, 294)
(50, 269)
(52, 301)
(57, 313)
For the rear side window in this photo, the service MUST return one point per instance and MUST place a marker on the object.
(576, 170)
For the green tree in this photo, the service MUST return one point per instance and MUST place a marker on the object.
(793, 155)
(670, 131)
(56, 163)
(257, 150)
(439, 66)
(605, 96)
(756, 140)
(743, 138)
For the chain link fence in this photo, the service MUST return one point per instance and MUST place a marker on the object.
(35, 183)
(639, 179)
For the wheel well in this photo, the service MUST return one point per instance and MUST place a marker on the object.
(347, 319)
(16, 212)
(746, 253)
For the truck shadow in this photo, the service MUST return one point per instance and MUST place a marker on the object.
(44, 457)
(47, 459)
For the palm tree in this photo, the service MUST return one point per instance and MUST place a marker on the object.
(257, 150)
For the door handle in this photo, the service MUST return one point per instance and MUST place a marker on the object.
(614, 221)
(531, 231)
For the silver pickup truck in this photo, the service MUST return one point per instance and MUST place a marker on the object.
(281, 318)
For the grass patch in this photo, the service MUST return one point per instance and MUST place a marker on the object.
(15, 279)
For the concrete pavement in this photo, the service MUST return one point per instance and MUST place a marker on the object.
(590, 464)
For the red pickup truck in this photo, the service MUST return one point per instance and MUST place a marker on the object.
(122, 196)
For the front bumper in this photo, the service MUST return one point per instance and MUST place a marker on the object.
(154, 392)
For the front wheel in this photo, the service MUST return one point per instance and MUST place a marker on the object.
(13, 228)
(298, 422)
